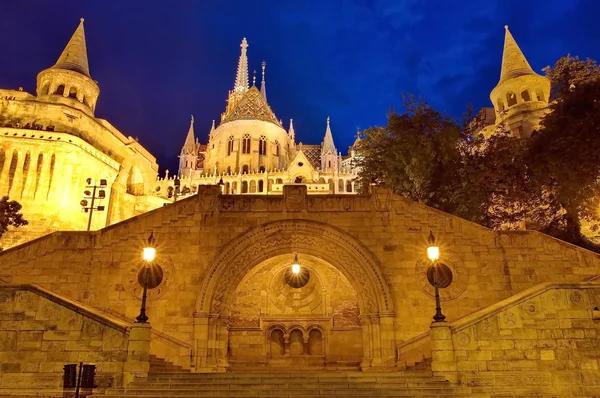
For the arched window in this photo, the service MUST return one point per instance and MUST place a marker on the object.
(60, 90)
(261, 185)
(73, 92)
(228, 169)
(525, 96)
(252, 186)
(227, 187)
(245, 169)
(262, 145)
(246, 143)
(277, 345)
(540, 95)
(511, 99)
(340, 185)
(279, 181)
(329, 163)
(349, 186)
(500, 104)
(315, 342)
(296, 342)
(277, 148)
(229, 145)
(261, 169)
(244, 186)
(234, 187)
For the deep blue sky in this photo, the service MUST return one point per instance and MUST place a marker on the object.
(158, 62)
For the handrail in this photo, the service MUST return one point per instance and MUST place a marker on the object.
(71, 304)
(514, 300)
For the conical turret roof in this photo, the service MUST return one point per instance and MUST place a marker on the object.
(74, 56)
(189, 147)
(514, 63)
(328, 145)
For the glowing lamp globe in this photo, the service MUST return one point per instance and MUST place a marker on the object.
(433, 251)
(296, 265)
(149, 250)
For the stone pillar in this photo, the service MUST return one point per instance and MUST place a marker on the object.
(305, 347)
(17, 181)
(367, 346)
(286, 344)
(29, 188)
(138, 353)
(4, 188)
(442, 352)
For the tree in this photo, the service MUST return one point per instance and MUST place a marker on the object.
(570, 72)
(416, 154)
(10, 215)
(564, 157)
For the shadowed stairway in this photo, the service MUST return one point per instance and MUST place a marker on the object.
(167, 380)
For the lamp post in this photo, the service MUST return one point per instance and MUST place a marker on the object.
(93, 192)
(149, 254)
(433, 252)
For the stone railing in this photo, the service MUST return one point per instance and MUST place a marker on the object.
(43, 331)
(164, 345)
(413, 351)
(541, 341)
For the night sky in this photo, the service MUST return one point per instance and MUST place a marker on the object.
(158, 62)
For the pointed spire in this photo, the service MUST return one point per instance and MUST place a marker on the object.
(212, 127)
(241, 78)
(263, 85)
(514, 63)
(189, 147)
(291, 132)
(328, 144)
(74, 56)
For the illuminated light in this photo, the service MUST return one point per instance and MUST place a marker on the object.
(433, 251)
(149, 250)
(296, 265)
(149, 253)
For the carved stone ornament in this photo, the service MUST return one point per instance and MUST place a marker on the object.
(460, 276)
(131, 274)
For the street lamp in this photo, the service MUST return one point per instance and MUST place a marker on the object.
(149, 253)
(296, 265)
(433, 252)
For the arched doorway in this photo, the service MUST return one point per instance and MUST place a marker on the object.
(316, 310)
(283, 238)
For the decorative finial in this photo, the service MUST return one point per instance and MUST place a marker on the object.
(264, 65)
(81, 20)
(506, 27)
(327, 119)
(254, 78)
(244, 44)
(192, 118)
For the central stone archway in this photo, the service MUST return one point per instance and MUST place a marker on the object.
(260, 243)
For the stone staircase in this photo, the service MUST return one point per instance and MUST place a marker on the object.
(168, 380)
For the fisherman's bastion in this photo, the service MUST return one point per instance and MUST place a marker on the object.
(258, 269)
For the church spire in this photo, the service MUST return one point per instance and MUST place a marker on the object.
(241, 78)
(263, 85)
(514, 63)
(74, 56)
(328, 145)
(189, 147)
(291, 132)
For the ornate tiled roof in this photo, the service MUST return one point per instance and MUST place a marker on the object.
(252, 106)
(312, 153)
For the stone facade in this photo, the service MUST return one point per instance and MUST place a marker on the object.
(40, 332)
(51, 142)
(219, 251)
(544, 341)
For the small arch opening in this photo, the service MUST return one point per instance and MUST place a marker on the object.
(525, 96)
(511, 99)
(60, 90)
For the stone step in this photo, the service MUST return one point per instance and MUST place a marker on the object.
(292, 375)
(284, 384)
(305, 394)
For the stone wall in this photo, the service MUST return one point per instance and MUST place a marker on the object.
(544, 341)
(40, 332)
(388, 232)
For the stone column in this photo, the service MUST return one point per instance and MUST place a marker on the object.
(367, 346)
(4, 188)
(17, 181)
(29, 188)
(138, 353)
(442, 352)
(286, 344)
